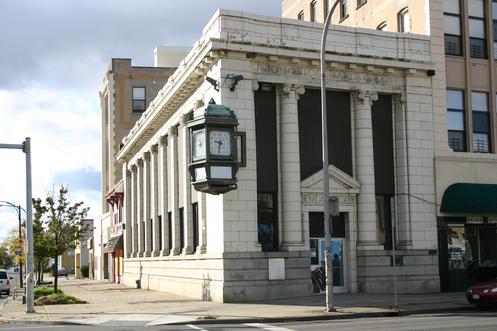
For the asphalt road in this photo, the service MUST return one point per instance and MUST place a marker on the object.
(474, 320)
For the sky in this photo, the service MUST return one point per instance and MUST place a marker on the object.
(53, 57)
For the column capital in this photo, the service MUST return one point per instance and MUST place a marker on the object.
(292, 90)
(139, 163)
(365, 97)
(132, 167)
(163, 141)
(184, 119)
(146, 156)
(154, 149)
(173, 131)
(400, 98)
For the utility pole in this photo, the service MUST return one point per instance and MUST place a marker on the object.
(326, 185)
(26, 148)
(20, 240)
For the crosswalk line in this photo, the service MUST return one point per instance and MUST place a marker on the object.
(267, 327)
(196, 327)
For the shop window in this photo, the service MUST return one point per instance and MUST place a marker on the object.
(267, 228)
(476, 27)
(138, 99)
(455, 120)
(382, 26)
(481, 127)
(344, 9)
(452, 27)
(404, 20)
(313, 11)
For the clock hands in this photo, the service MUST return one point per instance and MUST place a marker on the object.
(219, 143)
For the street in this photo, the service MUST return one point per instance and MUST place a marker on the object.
(470, 319)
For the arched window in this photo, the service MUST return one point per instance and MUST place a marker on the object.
(382, 26)
(404, 20)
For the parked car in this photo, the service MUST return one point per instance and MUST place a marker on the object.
(4, 282)
(483, 294)
(62, 272)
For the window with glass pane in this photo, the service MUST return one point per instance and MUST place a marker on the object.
(382, 26)
(300, 17)
(494, 21)
(452, 27)
(138, 100)
(404, 20)
(267, 221)
(361, 3)
(476, 27)
(344, 9)
(479, 107)
(313, 11)
(455, 120)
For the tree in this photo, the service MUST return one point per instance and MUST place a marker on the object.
(12, 242)
(62, 224)
(5, 258)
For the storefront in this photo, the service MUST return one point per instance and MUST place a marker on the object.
(468, 244)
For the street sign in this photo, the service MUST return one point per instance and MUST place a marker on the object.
(18, 251)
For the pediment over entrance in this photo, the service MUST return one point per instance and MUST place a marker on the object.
(339, 182)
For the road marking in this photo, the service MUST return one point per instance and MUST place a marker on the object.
(35, 327)
(267, 327)
(196, 327)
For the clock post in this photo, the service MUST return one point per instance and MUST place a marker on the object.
(213, 161)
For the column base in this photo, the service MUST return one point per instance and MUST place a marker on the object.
(147, 254)
(134, 254)
(174, 251)
(164, 252)
(187, 250)
(140, 254)
(369, 245)
(155, 253)
(201, 250)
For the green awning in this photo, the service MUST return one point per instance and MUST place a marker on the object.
(470, 198)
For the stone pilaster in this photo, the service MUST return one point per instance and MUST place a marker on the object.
(139, 209)
(127, 209)
(164, 196)
(174, 185)
(364, 167)
(186, 188)
(289, 161)
(146, 204)
(154, 200)
(134, 211)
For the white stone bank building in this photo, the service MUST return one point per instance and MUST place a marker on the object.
(262, 240)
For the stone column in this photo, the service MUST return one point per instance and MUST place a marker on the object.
(164, 195)
(134, 214)
(174, 185)
(202, 224)
(147, 221)
(139, 209)
(154, 200)
(364, 166)
(128, 234)
(291, 204)
(186, 188)
(402, 172)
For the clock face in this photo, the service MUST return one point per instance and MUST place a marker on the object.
(220, 143)
(198, 144)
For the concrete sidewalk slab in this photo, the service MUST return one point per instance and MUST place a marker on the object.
(111, 303)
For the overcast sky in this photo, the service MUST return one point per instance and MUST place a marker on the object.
(53, 57)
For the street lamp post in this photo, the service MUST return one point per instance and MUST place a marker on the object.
(26, 148)
(326, 186)
(18, 208)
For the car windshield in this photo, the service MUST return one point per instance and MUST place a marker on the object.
(3, 275)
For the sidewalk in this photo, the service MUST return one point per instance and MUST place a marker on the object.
(111, 302)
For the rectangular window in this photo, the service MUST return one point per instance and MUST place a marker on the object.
(452, 27)
(170, 229)
(267, 228)
(476, 27)
(344, 9)
(138, 100)
(494, 21)
(160, 233)
(313, 11)
(481, 127)
(361, 3)
(404, 20)
(455, 120)
(195, 226)
(181, 229)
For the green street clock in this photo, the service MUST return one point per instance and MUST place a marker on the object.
(213, 165)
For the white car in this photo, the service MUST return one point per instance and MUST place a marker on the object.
(4, 282)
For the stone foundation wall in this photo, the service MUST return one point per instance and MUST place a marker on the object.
(417, 274)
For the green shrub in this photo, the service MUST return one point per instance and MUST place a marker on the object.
(85, 271)
(57, 299)
(44, 291)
